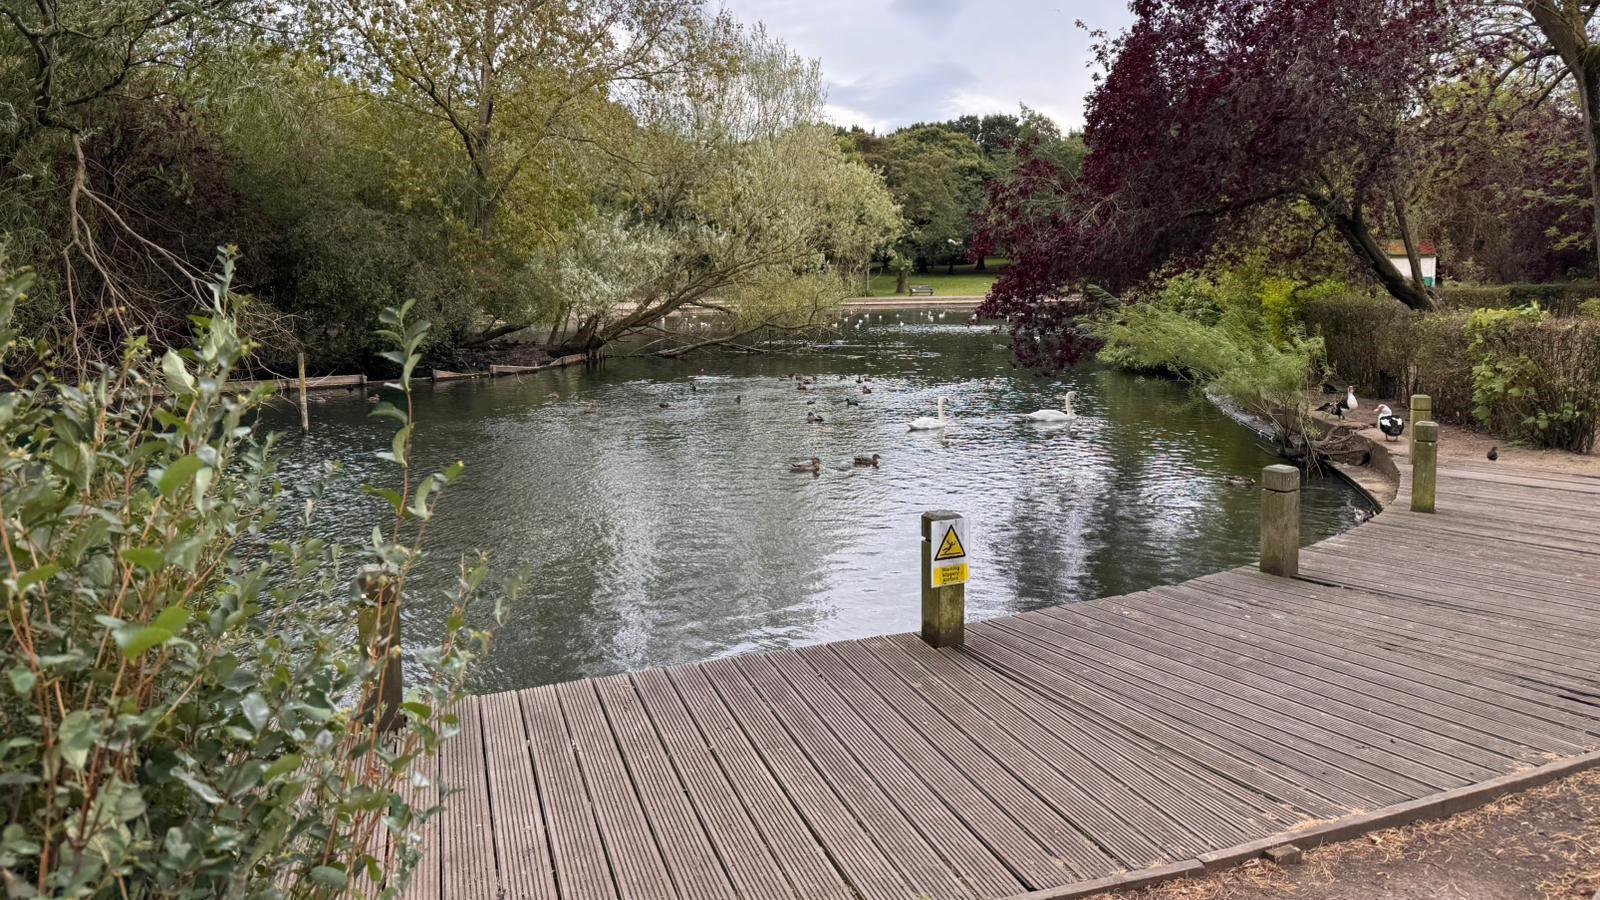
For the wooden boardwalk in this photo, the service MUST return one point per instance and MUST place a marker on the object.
(1417, 662)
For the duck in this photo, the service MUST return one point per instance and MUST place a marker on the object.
(1342, 405)
(1390, 424)
(1065, 414)
(813, 418)
(814, 466)
(1240, 480)
(867, 461)
(928, 423)
(1493, 454)
(866, 390)
(738, 398)
(802, 386)
(851, 401)
(663, 404)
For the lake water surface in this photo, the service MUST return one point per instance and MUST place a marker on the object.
(655, 536)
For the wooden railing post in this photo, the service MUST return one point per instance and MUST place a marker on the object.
(944, 578)
(1421, 411)
(378, 628)
(1424, 466)
(1280, 521)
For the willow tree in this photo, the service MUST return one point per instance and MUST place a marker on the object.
(730, 198)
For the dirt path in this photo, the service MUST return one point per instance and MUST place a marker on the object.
(1459, 444)
(1543, 843)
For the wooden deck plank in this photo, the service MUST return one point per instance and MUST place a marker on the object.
(467, 824)
(630, 845)
(1330, 754)
(767, 847)
(1352, 713)
(865, 719)
(793, 785)
(1213, 810)
(931, 845)
(521, 845)
(577, 851)
(856, 822)
(1075, 852)
(686, 848)
(1408, 650)
(1444, 713)
(425, 881)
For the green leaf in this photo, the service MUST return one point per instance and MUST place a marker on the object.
(255, 710)
(78, 734)
(287, 763)
(136, 641)
(22, 680)
(147, 558)
(173, 618)
(179, 381)
(199, 788)
(389, 410)
(179, 474)
(329, 876)
(34, 576)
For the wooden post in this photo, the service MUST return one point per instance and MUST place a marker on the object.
(378, 627)
(1421, 411)
(1280, 521)
(1424, 466)
(305, 421)
(944, 608)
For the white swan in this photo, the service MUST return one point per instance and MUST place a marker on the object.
(1065, 414)
(928, 423)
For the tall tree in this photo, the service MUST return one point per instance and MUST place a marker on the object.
(1210, 109)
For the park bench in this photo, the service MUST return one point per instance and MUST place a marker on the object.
(922, 289)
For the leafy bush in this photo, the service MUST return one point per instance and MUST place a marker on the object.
(184, 687)
(1560, 298)
(1590, 308)
(1518, 372)
(1234, 356)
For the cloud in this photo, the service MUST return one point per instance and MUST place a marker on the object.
(903, 96)
(927, 10)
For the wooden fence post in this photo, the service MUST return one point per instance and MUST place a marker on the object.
(1280, 521)
(944, 576)
(1424, 466)
(379, 630)
(1421, 411)
(305, 421)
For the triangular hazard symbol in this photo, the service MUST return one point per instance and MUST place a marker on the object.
(950, 547)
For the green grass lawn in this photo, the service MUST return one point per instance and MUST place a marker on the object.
(964, 283)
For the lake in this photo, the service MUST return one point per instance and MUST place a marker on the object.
(658, 535)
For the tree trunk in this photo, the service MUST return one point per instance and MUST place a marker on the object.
(1410, 240)
(900, 280)
(1351, 223)
(950, 267)
(979, 266)
(1566, 27)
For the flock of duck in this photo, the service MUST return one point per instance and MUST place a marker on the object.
(939, 422)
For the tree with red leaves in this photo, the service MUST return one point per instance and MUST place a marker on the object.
(1210, 110)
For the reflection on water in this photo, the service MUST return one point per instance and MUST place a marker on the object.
(658, 535)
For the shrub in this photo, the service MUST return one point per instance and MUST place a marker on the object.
(182, 681)
(1234, 356)
(1590, 308)
(1518, 372)
(1560, 298)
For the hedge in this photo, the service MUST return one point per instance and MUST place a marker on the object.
(1526, 379)
(1561, 298)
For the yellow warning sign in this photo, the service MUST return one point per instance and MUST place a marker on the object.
(956, 574)
(950, 547)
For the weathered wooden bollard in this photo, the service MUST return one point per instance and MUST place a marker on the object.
(1421, 411)
(378, 628)
(944, 578)
(1424, 466)
(1280, 521)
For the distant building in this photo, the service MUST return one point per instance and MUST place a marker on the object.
(1429, 256)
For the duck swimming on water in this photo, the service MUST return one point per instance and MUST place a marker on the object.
(814, 466)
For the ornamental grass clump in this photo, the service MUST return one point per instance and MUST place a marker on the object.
(182, 684)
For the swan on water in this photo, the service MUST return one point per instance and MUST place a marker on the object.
(1065, 414)
(928, 423)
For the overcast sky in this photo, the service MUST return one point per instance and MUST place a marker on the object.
(893, 62)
